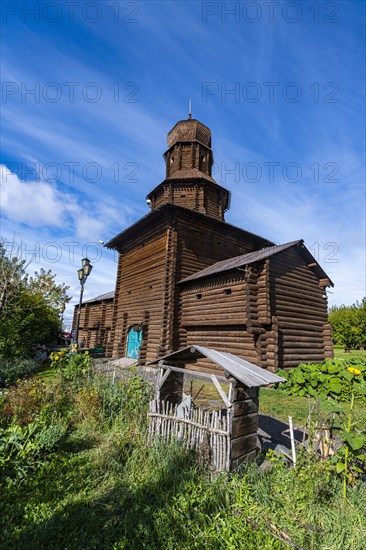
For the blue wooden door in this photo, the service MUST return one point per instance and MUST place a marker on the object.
(134, 340)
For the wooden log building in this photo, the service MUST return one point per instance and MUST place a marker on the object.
(95, 321)
(186, 277)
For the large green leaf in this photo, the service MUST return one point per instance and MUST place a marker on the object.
(332, 369)
(362, 389)
(356, 442)
(347, 375)
(298, 377)
(335, 385)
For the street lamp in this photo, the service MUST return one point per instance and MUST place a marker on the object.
(83, 274)
(62, 309)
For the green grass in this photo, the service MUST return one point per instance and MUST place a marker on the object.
(275, 403)
(47, 374)
(104, 488)
(339, 353)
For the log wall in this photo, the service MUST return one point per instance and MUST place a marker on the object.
(199, 245)
(273, 313)
(194, 196)
(95, 323)
(152, 261)
(215, 315)
(141, 291)
(300, 310)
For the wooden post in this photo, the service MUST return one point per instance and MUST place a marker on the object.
(243, 424)
(170, 387)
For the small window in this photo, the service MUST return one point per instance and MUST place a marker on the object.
(182, 196)
(227, 291)
(198, 296)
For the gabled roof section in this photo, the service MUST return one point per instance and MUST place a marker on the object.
(156, 215)
(249, 374)
(101, 297)
(238, 261)
(252, 257)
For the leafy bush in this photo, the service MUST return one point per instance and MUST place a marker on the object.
(88, 402)
(331, 378)
(22, 447)
(13, 369)
(349, 324)
(30, 307)
(71, 365)
(23, 402)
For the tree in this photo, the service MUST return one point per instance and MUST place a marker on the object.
(44, 284)
(349, 324)
(12, 272)
(30, 307)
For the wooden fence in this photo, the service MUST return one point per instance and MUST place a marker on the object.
(205, 432)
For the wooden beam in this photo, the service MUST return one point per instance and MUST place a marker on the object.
(164, 377)
(221, 391)
(197, 374)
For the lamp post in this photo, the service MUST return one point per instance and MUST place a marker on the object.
(83, 274)
(62, 309)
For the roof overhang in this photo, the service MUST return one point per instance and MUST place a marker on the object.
(252, 257)
(166, 212)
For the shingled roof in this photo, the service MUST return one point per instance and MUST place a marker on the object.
(251, 257)
(101, 297)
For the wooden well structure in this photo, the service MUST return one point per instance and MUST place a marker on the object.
(226, 438)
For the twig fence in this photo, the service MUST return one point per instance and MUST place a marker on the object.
(205, 432)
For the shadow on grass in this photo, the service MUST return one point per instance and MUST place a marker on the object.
(124, 516)
(277, 431)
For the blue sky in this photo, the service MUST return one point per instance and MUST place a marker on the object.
(90, 90)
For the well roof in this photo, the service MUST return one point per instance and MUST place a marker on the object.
(249, 374)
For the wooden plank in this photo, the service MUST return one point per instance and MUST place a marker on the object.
(243, 445)
(165, 376)
(196, 374)
(244, 425)
(221, 391)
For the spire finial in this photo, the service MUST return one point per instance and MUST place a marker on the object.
(190, 110)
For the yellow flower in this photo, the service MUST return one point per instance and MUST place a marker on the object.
(86, 353)
(354, 371)
(57, 358)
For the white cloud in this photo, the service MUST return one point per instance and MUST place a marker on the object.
(40, 204)
(32, 203)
